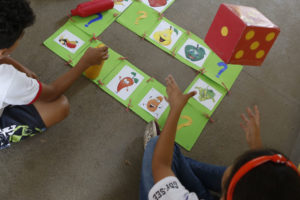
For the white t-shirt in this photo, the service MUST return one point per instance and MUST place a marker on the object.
(170, 188)
(16, 88)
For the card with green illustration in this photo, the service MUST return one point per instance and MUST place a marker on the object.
(209, 94)
(150, 103)
(95, 24)
(159, 5)
(166, 35)
(193, 52)
(125, 82)
(68, 42)
(220, 72)
(190, 126)
(139, 18)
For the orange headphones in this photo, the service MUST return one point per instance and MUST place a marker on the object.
(255, 163)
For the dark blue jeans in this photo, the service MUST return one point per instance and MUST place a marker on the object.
(196, 177)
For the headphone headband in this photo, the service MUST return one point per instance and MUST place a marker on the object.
(278, 158)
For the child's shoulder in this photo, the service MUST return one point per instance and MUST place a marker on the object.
(6, 71)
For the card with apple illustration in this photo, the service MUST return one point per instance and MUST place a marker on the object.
(139, 18)
(190, 126)
(158, 5)
(68, 42)
(167, 35)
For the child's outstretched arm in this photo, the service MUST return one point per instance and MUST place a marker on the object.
(93, 56)
(251, 126)
(163, 153)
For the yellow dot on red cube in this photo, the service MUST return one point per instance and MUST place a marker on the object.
(270, 36)
(250, 35)
(239, 54)
(224, 31)
(260, 54)
(254, 45)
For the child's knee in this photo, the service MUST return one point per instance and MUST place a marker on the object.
(64, 106)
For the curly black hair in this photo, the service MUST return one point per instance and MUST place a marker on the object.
(15, 16)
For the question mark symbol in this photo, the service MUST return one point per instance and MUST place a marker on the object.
(94, 20)
(225, 67)
(143, 16)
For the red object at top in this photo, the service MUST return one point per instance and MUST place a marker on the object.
(92, 7)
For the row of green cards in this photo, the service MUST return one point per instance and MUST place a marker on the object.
(185, 46)
(136, 90)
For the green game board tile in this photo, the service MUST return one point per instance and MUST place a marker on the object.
(129, 18)
(214, 71)
(187, 136)
(208, 105)
(70, 32)
(87, 25)
(161, 105)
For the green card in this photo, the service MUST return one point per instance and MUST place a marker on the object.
(68, 42)
(166, 35)
(220, 72)
(150, 103)
(190, 126)
(196, 54)
(125, 82)
(158, 5)
(95, 24)
(209, 94)
(139, 18)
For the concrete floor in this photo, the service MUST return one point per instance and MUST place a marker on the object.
(84, 156)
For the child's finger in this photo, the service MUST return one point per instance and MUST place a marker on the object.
(243, 116)
(167, 99)
(243, 126)
(105, 57)
(103, 49)
(250, 113)
(256, 110)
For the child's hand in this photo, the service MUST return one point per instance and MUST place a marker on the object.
(31, 74)
(176, 99)
(94, 56)
(251, 127)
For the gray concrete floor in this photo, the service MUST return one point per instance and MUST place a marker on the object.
(84, 156)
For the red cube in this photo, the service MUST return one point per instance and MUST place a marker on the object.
(241, 35)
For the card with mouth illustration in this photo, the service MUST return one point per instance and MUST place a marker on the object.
(154, 103)
(159, 5)
(167, 35)
(150, 103)
(68, 42)
(124, 82)
(139, 18)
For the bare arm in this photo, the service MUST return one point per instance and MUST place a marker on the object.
(163, 153)
(9, 60)
(93, 56)
(251, 126)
